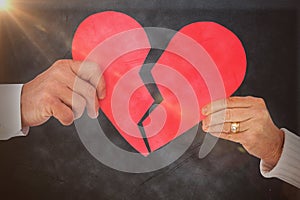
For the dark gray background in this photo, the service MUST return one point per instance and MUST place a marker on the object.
(52, 163)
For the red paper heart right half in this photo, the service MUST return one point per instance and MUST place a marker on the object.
(203, 62)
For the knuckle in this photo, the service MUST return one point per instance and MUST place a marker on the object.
(57, 63)
(231, 101)
(61, 67)
(228, 114)
(249, 97)
(260, 101)
(90, 92)
(257, 100)
(56, 72)
(62, 62)
(234, 98)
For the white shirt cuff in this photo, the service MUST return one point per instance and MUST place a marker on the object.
(10, 112)
(288, 166)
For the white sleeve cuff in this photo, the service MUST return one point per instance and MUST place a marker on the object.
(10, 112)
(288, 166)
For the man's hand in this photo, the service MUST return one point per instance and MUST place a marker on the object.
(63, 91)
(258, 134)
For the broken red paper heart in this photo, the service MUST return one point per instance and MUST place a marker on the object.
(152, 104)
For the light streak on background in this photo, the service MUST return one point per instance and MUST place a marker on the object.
(5, 5)
(29, 21)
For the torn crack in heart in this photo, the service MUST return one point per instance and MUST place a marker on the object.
(153, 89)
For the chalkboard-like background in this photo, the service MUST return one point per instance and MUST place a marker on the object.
(52, 163)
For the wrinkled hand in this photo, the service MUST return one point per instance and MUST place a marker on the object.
(56, 93)
(258, 134)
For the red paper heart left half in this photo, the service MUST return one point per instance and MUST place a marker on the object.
(203, 62)
(99, 39)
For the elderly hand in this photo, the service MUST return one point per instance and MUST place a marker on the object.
(52, 93)
(257, 132)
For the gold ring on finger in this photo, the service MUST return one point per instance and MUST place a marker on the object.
(235, 127)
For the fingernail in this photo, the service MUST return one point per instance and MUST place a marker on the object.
(94, 116)
(103, 94)
(204, 127)
(204, 110)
